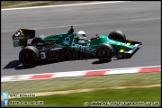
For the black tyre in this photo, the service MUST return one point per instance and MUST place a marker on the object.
(117, 36)
(37, 39)
(104, 52)
(28, 56)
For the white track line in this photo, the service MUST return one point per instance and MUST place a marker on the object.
(96, 23)
(64, 5)
(87, 24)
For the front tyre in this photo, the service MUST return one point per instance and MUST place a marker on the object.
(28, 56)
(117, 36)
(104, 52)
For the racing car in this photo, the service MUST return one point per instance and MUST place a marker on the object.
(57, 47)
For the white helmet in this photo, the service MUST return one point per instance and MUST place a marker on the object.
(81, 35)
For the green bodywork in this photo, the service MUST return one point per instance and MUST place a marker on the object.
(89, 46)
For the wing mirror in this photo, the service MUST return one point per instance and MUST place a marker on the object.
(97, 35)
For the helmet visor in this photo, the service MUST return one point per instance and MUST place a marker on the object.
(84, 35)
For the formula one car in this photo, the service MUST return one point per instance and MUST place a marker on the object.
(58, 47)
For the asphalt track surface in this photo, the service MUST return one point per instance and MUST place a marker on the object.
(139, 21)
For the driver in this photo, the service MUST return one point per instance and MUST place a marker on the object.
(81, 36)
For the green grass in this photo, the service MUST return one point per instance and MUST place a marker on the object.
(14, 4)
(71, 83)
(112, 95)
(77, 99)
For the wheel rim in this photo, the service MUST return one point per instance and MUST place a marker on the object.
(101, 52)
(104, 54)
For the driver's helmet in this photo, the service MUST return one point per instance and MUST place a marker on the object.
(81, 35)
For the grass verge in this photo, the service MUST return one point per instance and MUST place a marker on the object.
(15, 4)
(74, 83)
(151, 96)
(145, 97)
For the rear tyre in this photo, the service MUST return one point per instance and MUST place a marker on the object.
(117, 36)
(104, 52)
(28, 56)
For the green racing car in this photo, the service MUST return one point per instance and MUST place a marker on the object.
(59, 47)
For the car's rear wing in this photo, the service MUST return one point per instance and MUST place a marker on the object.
(20, 38)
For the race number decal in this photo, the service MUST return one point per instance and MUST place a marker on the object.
(43, 55)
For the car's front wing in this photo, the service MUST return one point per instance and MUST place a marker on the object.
(128, 54)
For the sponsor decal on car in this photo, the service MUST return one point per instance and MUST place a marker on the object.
(66, 41)
(86, 48)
